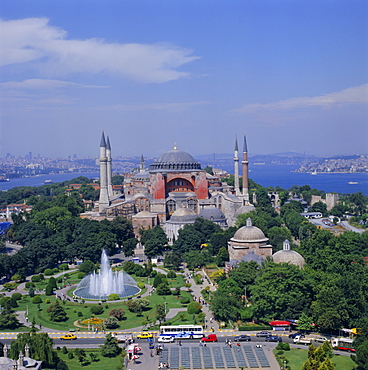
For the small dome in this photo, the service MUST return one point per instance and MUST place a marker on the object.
(183, 215)
(144, 214)
(287, 255)
(244, 209)
(175, 160)
(249, 233)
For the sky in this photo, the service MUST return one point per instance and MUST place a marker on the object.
(291, 74)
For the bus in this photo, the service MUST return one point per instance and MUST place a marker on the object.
(343, 344)
(182, 331)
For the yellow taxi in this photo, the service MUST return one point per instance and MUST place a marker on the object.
(145, 335)
(68, 337)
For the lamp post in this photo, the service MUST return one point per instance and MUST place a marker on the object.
(284, 364)
(27, 310)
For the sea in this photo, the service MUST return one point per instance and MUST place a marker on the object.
(265, 175)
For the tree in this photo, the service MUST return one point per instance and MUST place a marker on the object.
(138, 305)
(222, 256)
(110, 347)
(194, 308)
(163, 289)
(304, 322)
(154, 241)
(361, 356)
(8, 320)
(319, 207)
(87, 267)
(172, 261)
(319, 358)
(40, 348)
(160, 312)
(118, 313)
(57, 312)
(111, 322)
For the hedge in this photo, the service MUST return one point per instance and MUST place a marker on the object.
(254, 327)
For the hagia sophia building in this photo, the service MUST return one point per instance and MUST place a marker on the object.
(175, 191)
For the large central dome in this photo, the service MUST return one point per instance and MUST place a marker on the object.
(176, 160)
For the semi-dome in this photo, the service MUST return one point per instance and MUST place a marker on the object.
(183, 216)
(175, 160)
(249, 233)
(287, 255)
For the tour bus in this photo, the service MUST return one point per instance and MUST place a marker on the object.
(182, 331)
(343, 344)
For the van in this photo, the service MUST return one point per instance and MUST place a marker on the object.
(210, 338)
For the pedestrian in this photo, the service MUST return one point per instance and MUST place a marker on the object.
(179, 342)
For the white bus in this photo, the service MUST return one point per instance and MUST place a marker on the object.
(182, 331)
(343, 344)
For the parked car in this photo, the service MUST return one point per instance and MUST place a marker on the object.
(165, 339)
(242, 338)
(210, 338)
(321, 339)
(263, 334)
(273, 338)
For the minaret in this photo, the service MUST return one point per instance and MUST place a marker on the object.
(142, 164)
(104, 196)
(236, 168)
(5, 350)
(245, 173)
(109, 167)
(26, 350)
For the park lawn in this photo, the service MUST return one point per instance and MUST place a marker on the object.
(38, 312)
(103, 363)
(297, 358)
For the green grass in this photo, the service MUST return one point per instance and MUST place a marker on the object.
(72, 309)
(296, 358)
(103, 363)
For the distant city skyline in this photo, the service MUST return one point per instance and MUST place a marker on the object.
(292, 75)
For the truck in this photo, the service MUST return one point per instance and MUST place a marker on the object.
(122, 338)
(210, 338)
(302, 340)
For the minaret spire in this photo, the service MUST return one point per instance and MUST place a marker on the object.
(245, 172)
(236, 168)
(104, 196)
(109, 167)
(142, 164)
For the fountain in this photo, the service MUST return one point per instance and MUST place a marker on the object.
(100, 285)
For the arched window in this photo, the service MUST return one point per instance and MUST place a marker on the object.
(192, 204)
(170, 206)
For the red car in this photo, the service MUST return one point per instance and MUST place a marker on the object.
(210, 338)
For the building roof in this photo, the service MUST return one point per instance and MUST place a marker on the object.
(251, 256)
(175, 160)
(286, 255)
(249, 233)
(212, 214)
(183, 216)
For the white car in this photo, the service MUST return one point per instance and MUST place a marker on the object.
(165, 339)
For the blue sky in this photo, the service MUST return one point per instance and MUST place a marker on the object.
(291, 74)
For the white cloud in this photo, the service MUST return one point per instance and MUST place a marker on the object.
(47, 48)
(171, 107)
(42, 84)
(352, 95)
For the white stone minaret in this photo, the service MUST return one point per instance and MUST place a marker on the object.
(245, 173)
(236, 168)
(142, 164)
(104, 196)
(109, 167)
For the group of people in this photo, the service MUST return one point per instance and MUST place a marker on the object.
(163, 365)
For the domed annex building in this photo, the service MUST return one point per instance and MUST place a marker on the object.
(287, 255)
(249, 241)
(175, 181)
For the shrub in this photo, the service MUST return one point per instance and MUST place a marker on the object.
(29, 284)
(283, 346)
(17, 296)
(36, 299)
(59, 280)
(163, 289)
(171, 274)
(64, 350)
(47, 301)
(48, 272)
(111, 322)
(31, 292)
(63, 267)
(81, 275)
(176, 291)
(194, 308)
(140, 285)
(184, 300)
(36, 278)
(41, 277)
(96, 310)
(55, 270)
(113, 297)
(49, 290)
(52, 282)
(70, 355)
(118, 313)
(80, 314)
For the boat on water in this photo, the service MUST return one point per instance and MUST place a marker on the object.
(48, 181)
(4, 179)
(353, 182)
(314, 172)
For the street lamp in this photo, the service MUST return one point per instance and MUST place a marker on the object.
(27, 310)
(284, 364)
